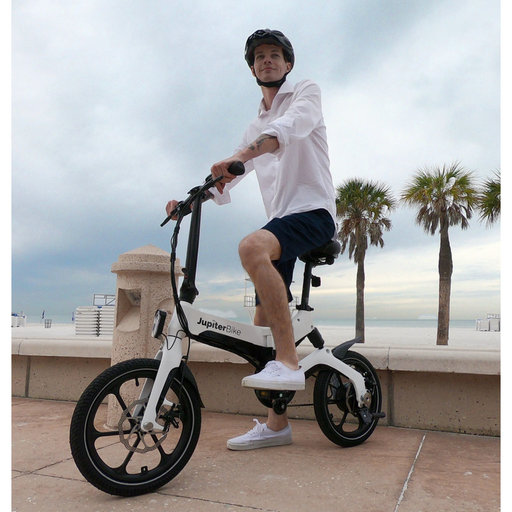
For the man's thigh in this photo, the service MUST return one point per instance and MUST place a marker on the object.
(301, 232)
(262, 242)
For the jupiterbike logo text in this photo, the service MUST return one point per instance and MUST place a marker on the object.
(228, 329)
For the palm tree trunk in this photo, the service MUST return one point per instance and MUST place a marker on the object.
(360, 299)
(445, 284)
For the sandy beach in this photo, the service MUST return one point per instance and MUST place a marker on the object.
(393, 336)
(333, 335)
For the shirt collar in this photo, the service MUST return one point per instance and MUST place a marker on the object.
(286, 88)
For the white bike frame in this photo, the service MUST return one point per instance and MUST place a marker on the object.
(171, 353)
(226, 334)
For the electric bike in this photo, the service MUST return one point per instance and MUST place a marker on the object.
(137, 424)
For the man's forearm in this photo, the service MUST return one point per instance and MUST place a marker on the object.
(262, 145)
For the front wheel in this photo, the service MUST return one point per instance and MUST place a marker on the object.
(109, 447)
(336, 408)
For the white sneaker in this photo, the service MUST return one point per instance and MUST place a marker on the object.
(276, 376)
(261, 437)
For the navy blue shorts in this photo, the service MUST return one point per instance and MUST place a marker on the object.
(297, 234)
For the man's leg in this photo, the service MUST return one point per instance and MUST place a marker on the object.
(257, 252)
(276, 431)
(275, 421)
(299, 233)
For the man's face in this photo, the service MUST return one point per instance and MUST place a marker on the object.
(269, 63)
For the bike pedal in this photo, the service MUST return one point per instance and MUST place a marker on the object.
(276, 395)
(379, 415)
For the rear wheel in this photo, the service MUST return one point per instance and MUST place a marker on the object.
(336, 408)
(109, 447)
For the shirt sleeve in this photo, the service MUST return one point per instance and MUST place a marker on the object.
(301, 117)
(225, 197)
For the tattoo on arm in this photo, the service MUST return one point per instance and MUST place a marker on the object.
(255, 146)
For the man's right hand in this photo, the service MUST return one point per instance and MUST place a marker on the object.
(221, 169)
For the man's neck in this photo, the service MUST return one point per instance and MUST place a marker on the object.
(269, 93)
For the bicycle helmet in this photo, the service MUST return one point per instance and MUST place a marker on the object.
(267, 36)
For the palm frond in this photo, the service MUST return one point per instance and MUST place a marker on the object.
(362, 208)
(443, 196)
(489, 200)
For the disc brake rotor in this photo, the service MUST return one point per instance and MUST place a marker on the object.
(134, 437)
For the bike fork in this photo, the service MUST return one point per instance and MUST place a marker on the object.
(171, 356)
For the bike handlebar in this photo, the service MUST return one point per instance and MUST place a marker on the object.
(183, 207)
(236, 168)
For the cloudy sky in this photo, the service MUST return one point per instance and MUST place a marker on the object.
(120, 106)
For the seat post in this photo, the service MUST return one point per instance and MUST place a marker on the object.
(324, 255)
(306, 288)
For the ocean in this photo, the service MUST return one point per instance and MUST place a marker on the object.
(378, 332)
(399, 323)
(369, 322)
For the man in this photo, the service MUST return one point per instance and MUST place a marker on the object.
(287, 147)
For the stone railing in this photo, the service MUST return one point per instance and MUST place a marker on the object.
(434, 387)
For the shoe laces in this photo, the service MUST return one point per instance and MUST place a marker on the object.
(272, 367)
(257, 429)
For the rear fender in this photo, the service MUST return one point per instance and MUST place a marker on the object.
(341, 350)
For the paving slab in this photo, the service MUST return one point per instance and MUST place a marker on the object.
(396, 470)
(455, 473)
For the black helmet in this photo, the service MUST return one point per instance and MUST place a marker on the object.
(268, 36)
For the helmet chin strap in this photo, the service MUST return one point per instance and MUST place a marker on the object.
(276, 83)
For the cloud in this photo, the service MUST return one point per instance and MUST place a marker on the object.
(118, 107)
(423, 101)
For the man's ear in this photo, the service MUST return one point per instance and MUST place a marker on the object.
(288, 67)
(252, 71)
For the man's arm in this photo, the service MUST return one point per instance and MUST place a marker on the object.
(262, 145)
(301, 117)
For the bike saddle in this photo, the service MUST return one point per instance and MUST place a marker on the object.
(324, 255)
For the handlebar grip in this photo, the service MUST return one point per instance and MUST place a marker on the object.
(236, 168)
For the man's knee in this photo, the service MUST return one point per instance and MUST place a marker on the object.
(258, 246)
(246, 249)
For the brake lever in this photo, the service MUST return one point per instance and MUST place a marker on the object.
(172, 214)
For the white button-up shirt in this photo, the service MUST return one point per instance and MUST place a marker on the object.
(296, 177)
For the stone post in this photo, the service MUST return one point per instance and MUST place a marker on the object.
(143, 286)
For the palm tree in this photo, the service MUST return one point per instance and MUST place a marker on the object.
(489, 200)
(362, 208)
(445, 197)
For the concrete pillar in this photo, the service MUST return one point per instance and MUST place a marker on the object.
(143, 286)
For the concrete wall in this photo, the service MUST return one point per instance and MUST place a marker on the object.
(57, 369)
(434, 388)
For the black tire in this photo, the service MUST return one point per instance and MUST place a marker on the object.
(336, 409)
(106, 443)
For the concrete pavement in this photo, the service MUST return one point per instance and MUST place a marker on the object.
(396, 470)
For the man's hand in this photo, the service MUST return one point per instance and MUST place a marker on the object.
(221, 169)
